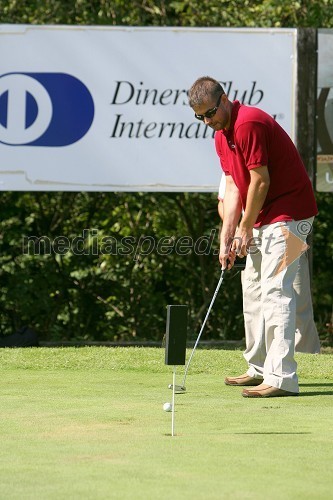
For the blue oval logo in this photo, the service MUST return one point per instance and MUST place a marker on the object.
(44, 109)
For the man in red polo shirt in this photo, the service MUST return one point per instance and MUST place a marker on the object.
(266, 179)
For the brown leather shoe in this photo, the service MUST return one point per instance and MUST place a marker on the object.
(266, 391)
(243, 380)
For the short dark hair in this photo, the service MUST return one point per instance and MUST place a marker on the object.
(204, 88)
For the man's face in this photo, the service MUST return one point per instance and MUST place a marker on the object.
(218, 113)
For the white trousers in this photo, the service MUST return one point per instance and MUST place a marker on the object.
(269, 302)
(307, 338)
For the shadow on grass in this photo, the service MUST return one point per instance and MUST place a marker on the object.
(329, 384)
(317, 393)
(263, 433)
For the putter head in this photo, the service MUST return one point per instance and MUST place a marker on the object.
(180, 389)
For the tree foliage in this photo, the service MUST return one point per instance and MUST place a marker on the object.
(112, 296)
(228, 13)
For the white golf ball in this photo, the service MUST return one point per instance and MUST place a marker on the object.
(167, 407)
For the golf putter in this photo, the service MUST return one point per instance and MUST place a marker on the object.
(180, 389)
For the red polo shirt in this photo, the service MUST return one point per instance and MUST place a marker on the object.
(255, 139)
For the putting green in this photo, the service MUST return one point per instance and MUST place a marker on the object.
(88, 423)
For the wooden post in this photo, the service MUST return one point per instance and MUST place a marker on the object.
(306, 98)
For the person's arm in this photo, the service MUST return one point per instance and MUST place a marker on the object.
(256, 196)
(232, 209)
(222, 188)
(220, 209)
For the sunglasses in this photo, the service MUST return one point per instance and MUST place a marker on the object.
(211, 112)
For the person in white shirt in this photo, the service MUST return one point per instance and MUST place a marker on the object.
(307, 339)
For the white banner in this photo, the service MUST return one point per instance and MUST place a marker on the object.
(105, 109)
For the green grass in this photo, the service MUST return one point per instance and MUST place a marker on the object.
(88, 423)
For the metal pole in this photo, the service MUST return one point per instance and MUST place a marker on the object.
(173, 402)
